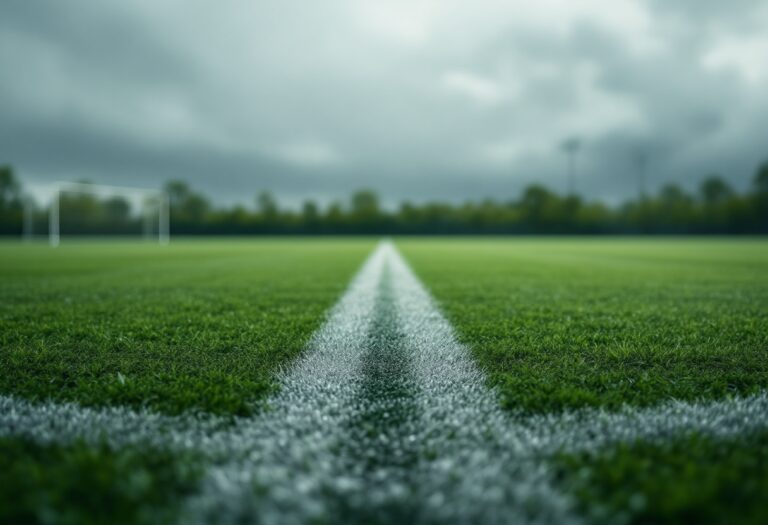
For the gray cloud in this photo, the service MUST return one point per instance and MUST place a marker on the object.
(418, 99)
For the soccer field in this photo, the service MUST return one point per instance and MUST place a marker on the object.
(443, 380)
(565, 324)
(572, 323)
(199, 325)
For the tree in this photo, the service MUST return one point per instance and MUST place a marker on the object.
(761, 179)
(9, 188)
(365, 214)
(672, 195)
(80, 212)
(177, 191)
(117, 210)
(195, 207)
(310, 212)
(535, 197)
(267, 205)
(186, 205)
(675, 212)
(761, 197)
(537, 205)
(334, 215)
(10, 201)
(714, 190)
(365, 204)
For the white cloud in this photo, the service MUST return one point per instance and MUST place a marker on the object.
(746, 55)
(475, 87)
(403, 21)
(591, 114)
(306, 153)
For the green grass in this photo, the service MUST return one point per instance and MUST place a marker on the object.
(200, 324)
(562, 324)
(687, 480)
(204, 325)
(81, 484)
(599, 322)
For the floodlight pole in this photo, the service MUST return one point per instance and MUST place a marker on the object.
(571, 148)
(54, 235)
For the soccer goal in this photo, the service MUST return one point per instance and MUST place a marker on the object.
(108, 206)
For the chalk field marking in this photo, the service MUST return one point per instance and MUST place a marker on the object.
(383, 415)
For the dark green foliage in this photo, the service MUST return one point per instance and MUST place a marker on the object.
(267, 206)
(714, 190)
(761, 179)
(195, 325)
(10, 202)
(9, 187)
(83, 212)
(573, 323)
(186, 205)
(692, 479)
(81, 484)
(717, 209)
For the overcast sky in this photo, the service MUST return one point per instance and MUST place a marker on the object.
(418, 100)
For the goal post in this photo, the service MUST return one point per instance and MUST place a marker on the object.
(151, 203)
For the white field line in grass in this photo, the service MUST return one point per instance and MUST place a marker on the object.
(384, 415)
(492, 467)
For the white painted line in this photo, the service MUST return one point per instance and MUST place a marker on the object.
(386, 415)
(492, 467)
(288, 450)
(289, 455)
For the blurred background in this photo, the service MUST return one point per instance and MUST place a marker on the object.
(411, 116)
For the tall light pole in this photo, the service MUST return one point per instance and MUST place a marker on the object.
(571, 148)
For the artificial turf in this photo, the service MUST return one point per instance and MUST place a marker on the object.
(564, 324)
(197, 325)
(82, 484)
(569, 323)
(556, 324)
(690, 479)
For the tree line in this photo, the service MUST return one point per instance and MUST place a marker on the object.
(715, 209)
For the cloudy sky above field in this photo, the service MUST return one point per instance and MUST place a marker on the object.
(417, 99)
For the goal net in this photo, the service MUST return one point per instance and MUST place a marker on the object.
(81, 208)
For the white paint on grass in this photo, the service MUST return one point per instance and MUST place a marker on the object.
(325, 449)
(492, 467)
(289, 451)
(289, 456)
